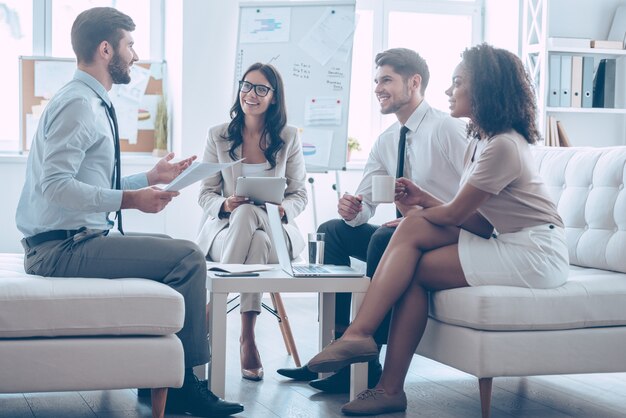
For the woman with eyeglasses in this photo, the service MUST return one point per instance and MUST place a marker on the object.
(234, 229)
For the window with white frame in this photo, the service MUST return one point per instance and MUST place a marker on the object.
(63, 13)
(439, 30)
(16, 38)
(42, 27)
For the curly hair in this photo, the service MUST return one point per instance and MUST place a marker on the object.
(275, 118)
(502, 93)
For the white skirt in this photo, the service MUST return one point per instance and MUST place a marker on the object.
(534, 257)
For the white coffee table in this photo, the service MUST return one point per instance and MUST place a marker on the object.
(277, 280)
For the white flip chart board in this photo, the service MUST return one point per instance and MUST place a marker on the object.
(310, 43)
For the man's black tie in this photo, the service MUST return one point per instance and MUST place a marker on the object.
(401, 152)
(117, 174)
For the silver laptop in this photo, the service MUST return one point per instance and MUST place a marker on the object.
(307, 270)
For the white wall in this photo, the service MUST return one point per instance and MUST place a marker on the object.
(501, 24)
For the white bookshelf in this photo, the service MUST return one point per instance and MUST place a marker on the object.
(543, 19)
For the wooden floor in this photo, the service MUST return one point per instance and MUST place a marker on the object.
(433, 390)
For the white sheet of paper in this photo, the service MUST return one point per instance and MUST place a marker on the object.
(149, 103)
(139, 78)
(196, 172)
(32, 122)
(265, 24)
(237, 268)
(322, 110)
(328, 35)
(50, 76)
(126, 110)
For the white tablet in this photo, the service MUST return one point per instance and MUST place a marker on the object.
(262, 189)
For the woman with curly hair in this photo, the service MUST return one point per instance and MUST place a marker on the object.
(501, 228)
(234, 230)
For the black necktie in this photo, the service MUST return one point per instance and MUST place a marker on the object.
(118, 165)
(401, 152)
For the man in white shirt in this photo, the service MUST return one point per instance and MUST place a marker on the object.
(432, 157)
(73, 181)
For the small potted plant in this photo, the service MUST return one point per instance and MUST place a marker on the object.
(353, 145)
(160, 129)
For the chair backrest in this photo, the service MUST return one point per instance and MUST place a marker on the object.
(588, 186)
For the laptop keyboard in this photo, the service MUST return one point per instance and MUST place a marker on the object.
(310, 269)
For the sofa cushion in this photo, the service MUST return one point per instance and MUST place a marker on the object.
(590, 298)
(35, 306)
(588, 186)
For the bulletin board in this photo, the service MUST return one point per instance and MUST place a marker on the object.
(310, 43)
(42, 77)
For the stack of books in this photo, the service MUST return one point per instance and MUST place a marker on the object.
(555, 133)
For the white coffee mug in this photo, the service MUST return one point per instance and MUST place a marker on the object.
(383, 189)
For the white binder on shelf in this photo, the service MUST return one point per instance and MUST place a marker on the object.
(587, 88)
(566, 81)
(577, 81)
(554, 81)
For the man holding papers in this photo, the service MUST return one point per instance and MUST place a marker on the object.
(195, 172)
(73, 182)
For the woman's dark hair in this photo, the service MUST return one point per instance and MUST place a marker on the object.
(95, 25)
(502, 93)
(275, 117)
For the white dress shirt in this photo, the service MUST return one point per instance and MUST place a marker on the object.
(435, 145)
(71, 162)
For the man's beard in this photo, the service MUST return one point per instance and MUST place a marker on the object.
(399, 103)
(119, 70)
(395, 106)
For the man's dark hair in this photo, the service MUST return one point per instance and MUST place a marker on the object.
(502, 93)
(93, 26)
(405, 62)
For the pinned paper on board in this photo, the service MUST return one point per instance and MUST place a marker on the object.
(133, 91)
(316, 146)
(322, 110)
(328, 34)
(146, 113)
(50, 76)
(265, 25)
(126, 110)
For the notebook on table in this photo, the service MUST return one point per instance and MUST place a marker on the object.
(284, 259)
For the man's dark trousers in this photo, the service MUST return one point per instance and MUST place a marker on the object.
(366, 243)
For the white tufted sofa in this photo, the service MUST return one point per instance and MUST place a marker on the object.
(580, 327)
(70, 334)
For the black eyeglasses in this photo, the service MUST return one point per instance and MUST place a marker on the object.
(259, 89)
